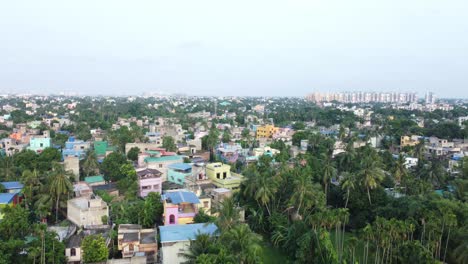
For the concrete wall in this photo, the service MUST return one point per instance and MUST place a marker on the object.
(170, 252)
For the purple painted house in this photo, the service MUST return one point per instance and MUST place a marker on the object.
(149, 180)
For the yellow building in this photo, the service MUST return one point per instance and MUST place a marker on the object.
(221, 176)
(266, 131)
(409, 141)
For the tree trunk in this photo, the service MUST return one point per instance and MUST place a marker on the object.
(368, 195)
(446, 245)
(347, 199)
(56, 208)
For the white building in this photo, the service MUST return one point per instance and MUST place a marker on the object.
(87, 211)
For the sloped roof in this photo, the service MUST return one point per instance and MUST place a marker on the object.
(180, 166)
(12, 185)
(6, 198)
(178, 197)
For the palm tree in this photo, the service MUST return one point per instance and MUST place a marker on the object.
(400, 169)
(229, 214)
(7, 169)
(266, 189)
(60, 184)
(243, 243)
(371, 175)
(31, 183)
(348, 184)
(328, 172)
(199, 246)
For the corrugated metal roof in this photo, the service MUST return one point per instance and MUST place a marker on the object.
(188, 232)
(6, 198)
(164, 158)
(94, 179)
(178, 197)
(12, 185)
(180, 166)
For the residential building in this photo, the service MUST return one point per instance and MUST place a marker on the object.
(143, 146)
(178, 171)
(266, 131)
(407, 141)
(75, 148)
(161, 163)
(221, 176)
(72, 163)
(175, 240)
(180, 207)
(133, 240)
(73, 250)
(39, 143)
(87, 211)
(268, 151)
(149, 180)
(95, 180)
(229, 152)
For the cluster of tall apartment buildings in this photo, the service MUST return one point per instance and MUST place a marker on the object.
(363, 97)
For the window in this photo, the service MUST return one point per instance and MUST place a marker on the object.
(160, 165)
(200, 176)
(224, 175)
(41, 145)
(206, 204)
(73, 252)
(156, 187)
(130, 247)
(218, 175)
(171, 219)
(147, 187)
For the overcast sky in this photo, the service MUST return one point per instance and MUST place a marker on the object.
(279, 48)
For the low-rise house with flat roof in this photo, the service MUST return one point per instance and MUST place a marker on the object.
(175, 240)
(87, 211)
(39, 143)
(221, 175)
(75, 148)
(161, 163)
(177, 172)
(133, 240)
(149, 180)
(95, 180)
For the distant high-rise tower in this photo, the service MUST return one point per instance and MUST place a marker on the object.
(430, 98)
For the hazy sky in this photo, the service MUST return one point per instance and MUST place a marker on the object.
(237, 47)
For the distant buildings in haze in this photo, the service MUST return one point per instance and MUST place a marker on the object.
(363, 97)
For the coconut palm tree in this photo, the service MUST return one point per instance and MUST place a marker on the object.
(229, 214)
(328, 172)
(32, 184)
(60, 185)
(243, 243)
(266, 189)
(371, 174)
(348, 183)
(201, 245)
(7, 169)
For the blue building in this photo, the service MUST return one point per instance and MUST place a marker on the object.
(75, 148)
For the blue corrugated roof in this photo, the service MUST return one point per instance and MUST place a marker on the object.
(180, 166)
(6, 198)
(188, 232)
(12, 185)
(181, 197)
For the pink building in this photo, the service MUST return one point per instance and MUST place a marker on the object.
(180, 207)
(149, 180)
